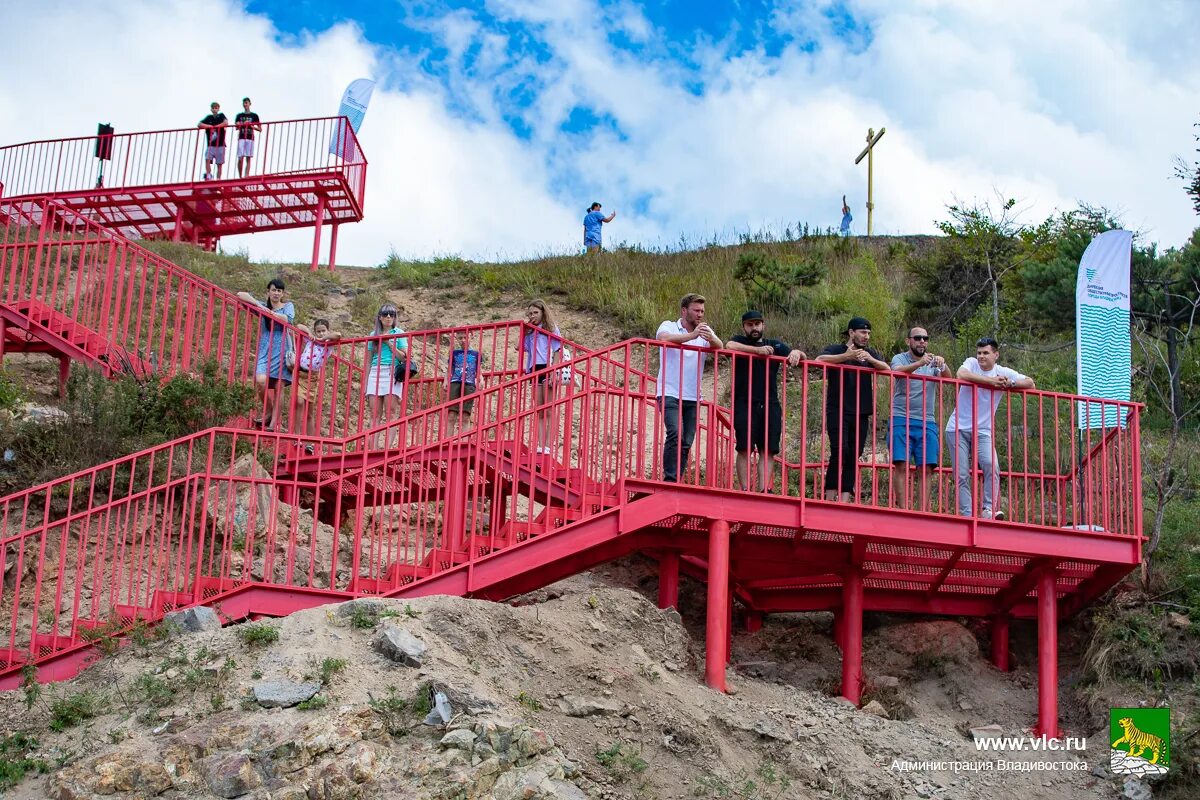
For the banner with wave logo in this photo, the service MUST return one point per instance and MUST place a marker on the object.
(354, 108)
(1102, 350)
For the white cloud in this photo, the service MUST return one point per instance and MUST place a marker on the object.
(1054, 103)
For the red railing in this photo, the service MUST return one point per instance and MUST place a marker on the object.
(155, 318)
(195, 519)
(167, 157)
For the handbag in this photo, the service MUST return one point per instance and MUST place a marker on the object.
(405, 369)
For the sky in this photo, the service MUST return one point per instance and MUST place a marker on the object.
(495, 123)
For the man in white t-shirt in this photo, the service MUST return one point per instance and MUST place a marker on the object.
(972, 423)
(679, 374)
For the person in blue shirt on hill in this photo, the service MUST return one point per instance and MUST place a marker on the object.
(592, 221)
(847, 218)
(462, 380)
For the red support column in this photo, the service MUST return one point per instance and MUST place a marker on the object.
(754, 621)
(333, 247)
(3, 339)
(177, 233)
(852, 610)
(1047, 608)
(64, 372)
(668, 580)
(716, 634)
(317, 233)
(729, 632)
(456, 502)
(1000, 641)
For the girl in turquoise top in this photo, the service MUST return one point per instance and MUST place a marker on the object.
(384, 392)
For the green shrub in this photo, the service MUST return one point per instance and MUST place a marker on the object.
(10, 394)
(70, 710)
(110, 418)
(257, 634)
(621, 760)
(16, 759)
(331, 667)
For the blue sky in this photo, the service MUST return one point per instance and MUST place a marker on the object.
(496, 122)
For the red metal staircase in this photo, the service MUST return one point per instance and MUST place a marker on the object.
(269, 523)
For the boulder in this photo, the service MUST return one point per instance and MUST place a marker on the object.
(576, 706)
(368, 607)
(241, 503)
(284, 694)
(945, 639)
(111, 773)
(1136, 789)
(397, 644)
(875, 707)
(460, 739)
(194, 620)
(230, 775)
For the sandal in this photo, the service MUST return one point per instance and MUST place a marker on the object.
(308, 448)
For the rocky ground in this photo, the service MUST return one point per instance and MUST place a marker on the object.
(584, 690)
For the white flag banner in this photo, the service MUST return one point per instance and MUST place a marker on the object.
(355, 100)
(1102, 349)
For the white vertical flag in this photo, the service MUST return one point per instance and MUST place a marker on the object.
(354, 107)
(1102, 350)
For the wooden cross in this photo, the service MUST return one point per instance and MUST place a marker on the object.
(869, 153)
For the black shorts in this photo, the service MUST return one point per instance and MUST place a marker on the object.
(459, 389)
(545, 376)
(758, 425)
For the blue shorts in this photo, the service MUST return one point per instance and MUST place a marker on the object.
(914, 441)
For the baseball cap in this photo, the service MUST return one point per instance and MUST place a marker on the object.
(858, 324)
(751, 315)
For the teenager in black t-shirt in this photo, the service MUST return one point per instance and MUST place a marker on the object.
(849, 403)
(757, 413)
(214, 139)
(247, 123)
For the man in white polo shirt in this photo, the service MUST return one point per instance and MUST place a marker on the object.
(972, 422)
(679, 374)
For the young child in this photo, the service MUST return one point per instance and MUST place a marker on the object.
(463, 379)
(308, 374)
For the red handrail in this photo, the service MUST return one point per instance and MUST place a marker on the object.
(176, 156)
(198, 518)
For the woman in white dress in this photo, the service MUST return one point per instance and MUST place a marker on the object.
(384, 385)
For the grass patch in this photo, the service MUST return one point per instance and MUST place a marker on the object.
(621, 760)
(331, 667)
(73, 709)
(529, 701)
(314, 703)
(392, 710)
(258, 634)
(363, 616)
(16, 759)
(639, 288)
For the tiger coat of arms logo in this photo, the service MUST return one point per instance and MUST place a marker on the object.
(1141, 741)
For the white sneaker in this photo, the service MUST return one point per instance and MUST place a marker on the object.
(985, 514)
(999, 515)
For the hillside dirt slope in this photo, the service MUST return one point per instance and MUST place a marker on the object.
(585, 690)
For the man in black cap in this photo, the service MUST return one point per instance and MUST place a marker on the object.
(757, 413)
(849, 404)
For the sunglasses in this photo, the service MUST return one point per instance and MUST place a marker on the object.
(920, 338)
(387, 313)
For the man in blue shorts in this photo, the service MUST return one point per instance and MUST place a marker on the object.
(592, 222)
(914, 428)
